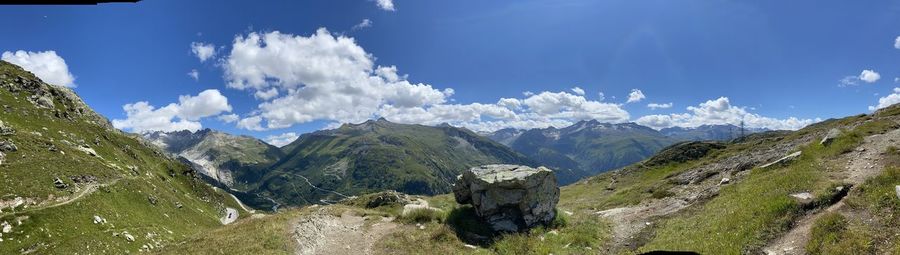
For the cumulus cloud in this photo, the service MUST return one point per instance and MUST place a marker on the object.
(326, 77)
(48, 66)
(251, 123)
(362, 24)
(897, 42)
(654, 106)
(282, 139)
(143, 117)
(718, 112)
(578, 91)
(318, 77)
(601, 96)
(194, 74)
(869, 76)
(387, 5)
(635, 96)
(888, 100)
(203, 51)
(228, 118)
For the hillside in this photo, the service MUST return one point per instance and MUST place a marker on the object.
(377, 155)
(754, 195)
(234, 161)
(72, 184)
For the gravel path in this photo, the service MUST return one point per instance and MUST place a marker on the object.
(322, 233)
(861, 164)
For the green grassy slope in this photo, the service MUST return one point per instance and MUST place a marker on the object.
(116, 184)
(375, 156)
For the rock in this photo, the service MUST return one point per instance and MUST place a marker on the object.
(128, 237)
(2, 157)
(59, 184)
(802, 197)
(830, 136)
(5, 227)
(785, 159)
(897, 190)
(510, 198)
(7, 146)
(419, 204)
(724, 181)
(99, 220)
(178, 205)
(152, 200)
(6, 130)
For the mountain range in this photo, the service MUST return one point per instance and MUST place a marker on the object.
(589, 147)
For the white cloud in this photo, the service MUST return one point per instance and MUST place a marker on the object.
(48, 66)
(897, 42)
(635, 96)
(266, 94)
(362, 24)
(869, 76)
(142, 117)
(203, 51)
(251, 123)
(228, 118)
(718, 112)
(654, 106)
(282, 139)
(194, 74)
(322, 77)
(601, 96)
(888, 100)
(578, 91)
(848, 81)
(387, 5)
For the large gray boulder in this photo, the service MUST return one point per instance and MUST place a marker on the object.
(510, 198)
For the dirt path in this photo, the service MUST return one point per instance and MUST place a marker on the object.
(85, 190)
(322, 233)
(861, 164)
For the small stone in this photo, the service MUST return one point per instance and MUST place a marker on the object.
(99, 220)
(724, 181)
(128, 237)
(897, 190)
(5, 227)
(802, 196)
(152, 200)
(59, 184)
(830, 136)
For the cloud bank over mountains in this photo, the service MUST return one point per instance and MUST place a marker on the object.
(330, 78)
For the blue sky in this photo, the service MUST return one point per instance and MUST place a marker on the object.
(768, 61)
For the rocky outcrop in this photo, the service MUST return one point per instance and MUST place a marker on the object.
(510, 198)
(830, 136)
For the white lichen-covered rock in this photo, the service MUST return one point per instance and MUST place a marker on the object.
(830, 136)
(510, 198)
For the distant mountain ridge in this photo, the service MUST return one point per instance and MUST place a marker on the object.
(230, 160)
(590, 147)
